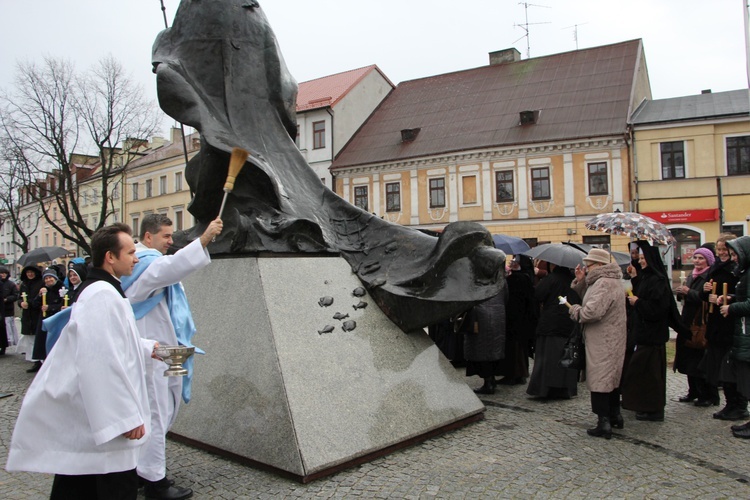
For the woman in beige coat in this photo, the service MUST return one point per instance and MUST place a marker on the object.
(605, 331)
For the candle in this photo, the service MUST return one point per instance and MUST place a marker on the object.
(23, 296)
(44, 303)
(682, 277)
(65, 301)
(713, 292)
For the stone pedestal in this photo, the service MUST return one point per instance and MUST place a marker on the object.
(303, 376)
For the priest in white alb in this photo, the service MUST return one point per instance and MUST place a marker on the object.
(86, 415)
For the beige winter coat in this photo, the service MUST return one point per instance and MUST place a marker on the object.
(605, 326)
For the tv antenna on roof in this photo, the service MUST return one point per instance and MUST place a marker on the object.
(575, 32)
(525, 26)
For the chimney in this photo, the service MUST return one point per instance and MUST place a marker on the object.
(176, 135)
(504, 56)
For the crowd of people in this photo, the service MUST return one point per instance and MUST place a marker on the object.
(626, 313)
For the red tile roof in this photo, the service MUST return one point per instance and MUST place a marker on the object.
(329, 90)
(580, 94)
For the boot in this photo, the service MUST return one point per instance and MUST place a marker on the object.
(488, 387)
(617, 421)
(741, 427)
(603, 429)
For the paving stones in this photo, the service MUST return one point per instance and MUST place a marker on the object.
(523, 448)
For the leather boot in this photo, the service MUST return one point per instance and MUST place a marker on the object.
(603, 429)
(488, 387)
(617, 421)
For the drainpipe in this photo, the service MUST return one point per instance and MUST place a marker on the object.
(333, 155)
(720, 196)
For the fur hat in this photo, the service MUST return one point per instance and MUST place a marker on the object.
(598, 255)
(707, 254)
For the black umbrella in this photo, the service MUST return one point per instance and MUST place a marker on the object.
(511, 245)
(558, 254)
(41, 254)
(622, 258)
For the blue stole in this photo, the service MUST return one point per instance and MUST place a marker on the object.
(179, 312)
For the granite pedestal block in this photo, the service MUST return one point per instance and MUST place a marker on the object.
(304, 374)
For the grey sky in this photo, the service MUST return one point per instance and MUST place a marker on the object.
(690, 44)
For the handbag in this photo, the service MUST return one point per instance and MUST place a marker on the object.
(574, 352)
(698, 329)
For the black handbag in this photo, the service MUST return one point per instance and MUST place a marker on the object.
(574, 353)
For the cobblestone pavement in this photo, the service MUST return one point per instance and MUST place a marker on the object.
(523, 448)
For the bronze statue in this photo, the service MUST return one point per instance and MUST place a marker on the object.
(220, 70)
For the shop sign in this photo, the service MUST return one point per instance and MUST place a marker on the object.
(673, 217)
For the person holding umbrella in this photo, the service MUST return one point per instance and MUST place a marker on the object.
(644, 386)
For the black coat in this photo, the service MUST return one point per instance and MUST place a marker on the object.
(686, 358)
(54, 303)
(651, 312)
(30, 316)
(719, 330)
(554, 319)
(523, 311)
(9, 293)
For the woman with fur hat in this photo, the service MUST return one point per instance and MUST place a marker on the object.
(49, 301)
(603, 314)
(687, 359)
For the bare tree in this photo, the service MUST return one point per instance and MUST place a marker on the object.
(54, 113)
(13, 177)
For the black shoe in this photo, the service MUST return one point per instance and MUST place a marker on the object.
(650, 416)
(706, 402)
(2, 351)
(35, 368)
(742, 434)
(617, 421)
(687, 398)
(488, 387)
(740, 427)
(720, 414)
(143, 482)
(733, 414)
(603, 429)
(163, 490)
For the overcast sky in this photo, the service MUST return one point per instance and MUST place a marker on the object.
(690, 45)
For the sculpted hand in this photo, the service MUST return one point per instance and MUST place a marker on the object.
(136, 433)
(213, 230)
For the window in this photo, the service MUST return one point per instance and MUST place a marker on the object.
(148, 189)
(393, 197)
(672, 160)
(46, 240)
(469, 190)
(116, 192)
(319, 135)
(504, 186)
(54, 239)
(178, 220)
(598, 178)
(540, 184)
(178, 181)
(602, 240)
(95, 196)
(135, 191)
(136, 226)
(738, 155)
(437, 192)
(163, 184)
(360, 197)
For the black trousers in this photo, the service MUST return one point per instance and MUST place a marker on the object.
(113, 486)
(606, 404)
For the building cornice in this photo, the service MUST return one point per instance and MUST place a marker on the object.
(489, 155)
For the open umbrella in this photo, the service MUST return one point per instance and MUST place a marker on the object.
(511, 245)
(558, 254)
(635, 225)
(41, 254)
(622, 258)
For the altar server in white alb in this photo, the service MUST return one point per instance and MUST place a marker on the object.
(162, 313)
(85, 416)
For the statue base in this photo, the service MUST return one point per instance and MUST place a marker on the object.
(304, 374)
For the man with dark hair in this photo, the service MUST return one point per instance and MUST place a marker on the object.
(9, 294)
(162, 313)
(86, 414)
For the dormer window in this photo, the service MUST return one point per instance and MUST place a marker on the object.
(409, 134)
(529, 117)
